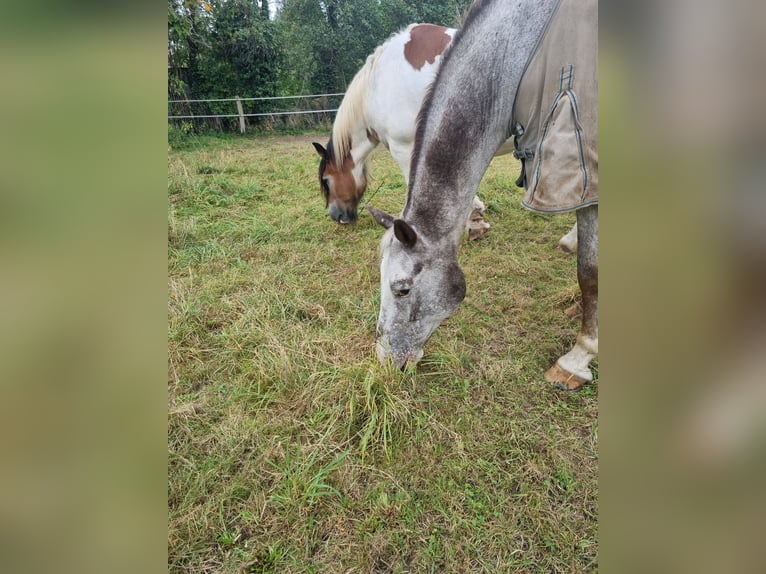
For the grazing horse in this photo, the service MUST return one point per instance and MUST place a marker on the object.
(380, 107)
(521, 68)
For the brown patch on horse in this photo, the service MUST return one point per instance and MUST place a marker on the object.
(573, 311)
(426, 43)
(373, 136)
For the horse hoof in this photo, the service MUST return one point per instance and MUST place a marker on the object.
(563, 379)
(475, 233)
(573, 311)
(477, 227)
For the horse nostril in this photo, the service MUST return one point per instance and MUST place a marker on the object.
(340, 215)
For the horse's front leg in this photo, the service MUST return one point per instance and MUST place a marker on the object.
(572, 370)
(476, 226)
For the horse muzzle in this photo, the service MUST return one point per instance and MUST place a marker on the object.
(342, 216)
(402, 359)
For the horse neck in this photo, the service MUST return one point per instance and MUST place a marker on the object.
(468, 112)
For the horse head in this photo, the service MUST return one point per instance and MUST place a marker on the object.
(421, 285)
(342, 185)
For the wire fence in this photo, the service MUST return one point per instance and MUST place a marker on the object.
(229, 114)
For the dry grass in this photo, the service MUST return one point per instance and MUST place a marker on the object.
(291, 450)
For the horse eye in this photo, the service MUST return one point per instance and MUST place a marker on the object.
(401, 292)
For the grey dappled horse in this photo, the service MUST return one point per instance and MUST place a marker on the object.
(470, 111)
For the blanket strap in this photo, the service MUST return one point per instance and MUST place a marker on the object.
(521, 154)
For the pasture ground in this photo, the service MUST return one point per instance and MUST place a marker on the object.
(291, 450)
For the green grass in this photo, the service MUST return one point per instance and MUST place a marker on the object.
(292, 450)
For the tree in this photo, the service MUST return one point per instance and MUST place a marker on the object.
(223, 48)
(329, 40)
(186, 40)
(243, 55)
(220, 48)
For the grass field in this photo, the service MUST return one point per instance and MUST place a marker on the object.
(291, 450)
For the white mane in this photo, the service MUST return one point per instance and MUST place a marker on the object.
(352, 109)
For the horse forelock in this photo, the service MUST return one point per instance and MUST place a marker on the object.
(384, 241)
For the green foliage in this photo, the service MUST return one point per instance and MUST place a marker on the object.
(244, 52)
(304, 481)
(222, 48)
(226, 48)
(329, 40)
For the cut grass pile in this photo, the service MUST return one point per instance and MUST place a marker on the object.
(292, 450)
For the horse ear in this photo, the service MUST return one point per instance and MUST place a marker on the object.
(405, 233)
(320, 150)
(381, 217)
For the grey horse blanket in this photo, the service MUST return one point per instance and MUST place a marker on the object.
(555, 114)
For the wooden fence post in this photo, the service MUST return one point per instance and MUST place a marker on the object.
(241, 116)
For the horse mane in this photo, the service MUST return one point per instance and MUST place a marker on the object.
(469, 15)
(463, 18)
(352, 108)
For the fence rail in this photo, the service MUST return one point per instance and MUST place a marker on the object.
(205, 113)
(254, 115)
(235, 98)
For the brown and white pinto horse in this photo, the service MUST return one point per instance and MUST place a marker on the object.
(380, 107)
